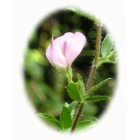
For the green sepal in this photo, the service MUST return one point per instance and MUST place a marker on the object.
(97, 98)
(65, 118)
(107, 45)
(97, 86)
(76, 90)
(53, 121)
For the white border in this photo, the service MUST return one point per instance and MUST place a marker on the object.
(6, 69)
(28, 13)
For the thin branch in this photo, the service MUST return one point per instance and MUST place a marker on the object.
(77, 117)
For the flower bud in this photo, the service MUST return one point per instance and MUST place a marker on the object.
(63, 50)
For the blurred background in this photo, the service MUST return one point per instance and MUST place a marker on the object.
(45, 87)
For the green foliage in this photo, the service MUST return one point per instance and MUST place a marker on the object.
(35, 55)
(107, 45)
(65, 118)
(84, 124)
(50, 119)
(80, 86)
(110, 58)
(97, 98)
(97, 86)
(71, 107)
(76, 90)
(94, 119)
(73, 92)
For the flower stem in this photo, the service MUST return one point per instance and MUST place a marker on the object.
(69, 74)
(92, 73)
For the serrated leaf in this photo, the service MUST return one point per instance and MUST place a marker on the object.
(97, 98)
(50, 119)
(76, 90)
(84, 124)
(65, 118)
(97, 86)
(107, 45)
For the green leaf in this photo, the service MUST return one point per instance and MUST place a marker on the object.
(110, 58)
(66, 105)
(107, 45)
(65, 118)
(71, 107)
(97, 86)
(113, 57)
(80, 85)
(94, 119)
(101, 61)
(97, 98)
(84, 124)
(50, 119)
(73, 92)
(76, 90)
(112, 62)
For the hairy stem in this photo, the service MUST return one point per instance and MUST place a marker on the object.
(92, 73)
(97, 52)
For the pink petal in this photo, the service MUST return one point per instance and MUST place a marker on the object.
(57, 57)
(68, 35)
(49, 55)
(61, 40)
(73, 47)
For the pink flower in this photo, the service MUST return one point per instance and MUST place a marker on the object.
(63, 50)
